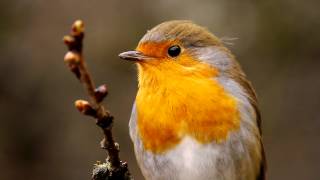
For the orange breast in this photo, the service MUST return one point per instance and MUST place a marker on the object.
(172, 104)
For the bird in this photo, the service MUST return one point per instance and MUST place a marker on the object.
(195, 115)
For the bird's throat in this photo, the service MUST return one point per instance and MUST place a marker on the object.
(172, 105)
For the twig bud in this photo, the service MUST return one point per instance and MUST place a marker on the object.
(68, 40)
(101, 92)
(117, 145)
(85, 108)
(72, 57)
(77, 28)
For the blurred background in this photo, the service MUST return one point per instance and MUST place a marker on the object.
(42, 136)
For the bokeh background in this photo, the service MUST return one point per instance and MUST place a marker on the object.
(42, 136)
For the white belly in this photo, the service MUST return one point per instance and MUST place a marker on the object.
(196, 161)
(234, 159)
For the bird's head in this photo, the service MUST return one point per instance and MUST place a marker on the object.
(179, 48)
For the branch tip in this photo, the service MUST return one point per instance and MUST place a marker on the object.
(78, 28)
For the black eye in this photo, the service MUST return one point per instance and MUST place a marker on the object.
(174, 51)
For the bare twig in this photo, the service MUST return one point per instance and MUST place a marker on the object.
(114, 168)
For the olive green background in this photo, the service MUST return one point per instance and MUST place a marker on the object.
(42, 136)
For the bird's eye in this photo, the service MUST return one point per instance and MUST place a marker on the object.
(174, 51)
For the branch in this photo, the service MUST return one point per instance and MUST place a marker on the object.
(113, 168)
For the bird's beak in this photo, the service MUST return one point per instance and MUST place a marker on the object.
(134, 56)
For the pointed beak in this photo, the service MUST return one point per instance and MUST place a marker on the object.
(134, 56)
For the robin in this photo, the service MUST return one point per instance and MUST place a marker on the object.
(195, 116)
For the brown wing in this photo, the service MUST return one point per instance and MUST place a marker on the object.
(240, 77)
